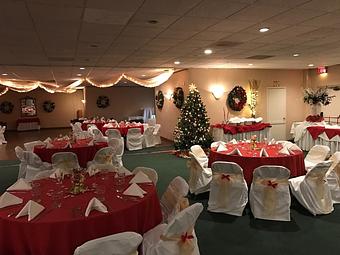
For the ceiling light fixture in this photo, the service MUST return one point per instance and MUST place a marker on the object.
(82, 68)
(177, 62)
(250, 64)
(4, 74)
(143, 75)
(296, 54)
(207, 51)
(79, 74)
(310, 65)
(264, 29)
(152, 21)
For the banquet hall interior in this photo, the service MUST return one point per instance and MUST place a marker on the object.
(169, 127)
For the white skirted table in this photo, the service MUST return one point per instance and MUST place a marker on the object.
(24, 124)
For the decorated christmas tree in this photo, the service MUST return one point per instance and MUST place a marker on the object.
(193, 124)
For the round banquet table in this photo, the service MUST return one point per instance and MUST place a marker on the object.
(123, 130)
(251, 159)
(84, 152)
(59, 231)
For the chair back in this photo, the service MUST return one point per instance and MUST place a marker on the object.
(157, 129)
(125, 243)
(118, 145)
(199, 177)
(134, 139)
(83, 135)
(76, 127)
(104, 156)
(30, 145)
(317, 153)
(150, 172)
(133, 132)
(65, 161)
(113, 133)
(198, 151)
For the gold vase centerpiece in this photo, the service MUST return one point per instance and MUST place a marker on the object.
(78, 178)
(253, 142)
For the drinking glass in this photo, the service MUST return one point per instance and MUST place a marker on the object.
(119, 181)
(57, 197)
(36, 192)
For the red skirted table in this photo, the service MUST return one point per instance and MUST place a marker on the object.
(99, 125)
(123, 129)
(251, 159)
(84, 152)
(59, 231)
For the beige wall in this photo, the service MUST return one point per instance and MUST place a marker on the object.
(204, 79)
(66, 106)
(124, 101)
(332, 77)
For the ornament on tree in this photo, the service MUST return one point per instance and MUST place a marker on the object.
(193, 124)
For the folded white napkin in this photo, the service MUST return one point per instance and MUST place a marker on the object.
(8, 199)
(235, 151)
(221, 147)
(95, 204)
(140, 177)
(134, 190)
(49, 145)
(259, 119)
(20, 184)
(32, 209)
(294, 147)
(48, 140)
(233, 141)
(272, 141)
(284, 151)
(58, 173)
(126, 171)
(263, 153)
(91, 143)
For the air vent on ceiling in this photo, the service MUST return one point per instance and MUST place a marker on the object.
(61, 59)
(260, 57)
(227, 44)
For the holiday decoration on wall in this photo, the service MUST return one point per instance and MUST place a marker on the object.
(6, 107)
(254, 88)
(193, 124)
(159, 100)
(49, 106)
(237, 98)
(103, 101)
(178, 97)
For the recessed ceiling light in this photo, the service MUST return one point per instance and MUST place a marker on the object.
(79, 74)
(296, 54)
(250, 64)
(264, 29)
(177, 62)
(152, 21)
(310, 65)
(4, 74)
(207, 51)
(82, 68)
(143, 75)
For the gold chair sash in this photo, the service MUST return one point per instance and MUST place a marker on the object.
(224, 182)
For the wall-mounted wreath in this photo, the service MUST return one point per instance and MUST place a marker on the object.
(48, 106)
(178, 97)
(103, 101)
(159, 99)
(6, 107)
(237, 98)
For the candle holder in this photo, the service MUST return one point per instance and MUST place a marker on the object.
(78, 179)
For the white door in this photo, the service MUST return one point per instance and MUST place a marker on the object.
(276, 112)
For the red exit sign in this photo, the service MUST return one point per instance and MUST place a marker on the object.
(321, 70)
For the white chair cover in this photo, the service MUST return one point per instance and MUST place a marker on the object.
(76, 127)
(333, 177)
(269, 195)
(156, 134)
(65, 162)
(148, 136)
(113, 133)
(312, 191)
(30, 145)
(317, 154)
(102, 160)
(2, 135)
(150, 172)
(176, 238)
(134, 139)
(98, 135)
(83, 135)
(200, 155)
(228, 189)
(125, 243)
(173, 199)
(118, 145)
(199, 177)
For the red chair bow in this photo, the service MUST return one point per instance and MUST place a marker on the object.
(225, 176)
(272, 184)
(186, 237)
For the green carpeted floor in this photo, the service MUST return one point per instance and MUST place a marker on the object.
(224, 234)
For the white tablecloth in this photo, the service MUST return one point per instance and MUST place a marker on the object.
(218, 135)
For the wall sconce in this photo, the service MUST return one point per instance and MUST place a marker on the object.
(217, 92)
(83, 101)
(168, 95)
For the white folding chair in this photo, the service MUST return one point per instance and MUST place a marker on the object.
(312, 191)
(134, 139)
(333, 177)
(102, 160)
(199, 177)
(317, 154)
(177, 237)
(150, 172)
(65, 162)
(269, 195)
(156, 134)
(173, 199)
(148, 137)
(30, 145)
(113, 133)
(228, 189)
(200, 155)
(118, 145)
(125, 243)
(2, 135)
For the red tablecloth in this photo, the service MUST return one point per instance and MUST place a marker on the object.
(251, 159)
(84, 152)
(26, 120)
(241, 128)
(60, 231)
(98, 124)
(123, 130)
(315, 131)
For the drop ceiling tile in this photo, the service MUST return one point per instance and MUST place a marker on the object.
(230, 26)
(177, 7)
(64, 3)
(327, 6)
(143, 18)
(122, 5)
(295, 16)
(194, 23)
(99, 16)
(43, 12)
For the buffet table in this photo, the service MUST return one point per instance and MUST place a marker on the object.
(251, 159)
(58, 231)
(227, 132)
(24, 124)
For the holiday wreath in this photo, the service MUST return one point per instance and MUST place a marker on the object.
(237, 98)
(103, 101)
(6, 107)
(48, 106)
(178, 97)
(159, 100)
